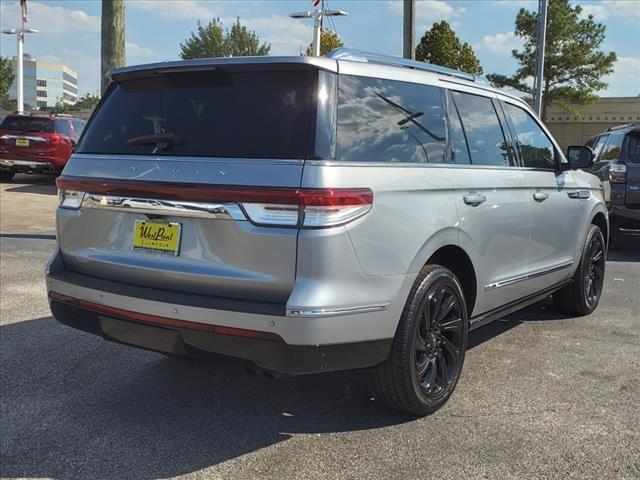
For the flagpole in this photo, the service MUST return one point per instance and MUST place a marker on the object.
(19, 66)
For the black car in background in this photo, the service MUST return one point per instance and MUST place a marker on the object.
(617, 163)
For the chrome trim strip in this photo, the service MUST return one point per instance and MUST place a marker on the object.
(581, 194)
(333, 312)
(529, 276)
(28, 163)
(25, 137)
(229, 211)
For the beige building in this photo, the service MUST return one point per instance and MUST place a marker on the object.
(595, 118)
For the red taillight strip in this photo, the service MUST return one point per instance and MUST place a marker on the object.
(216, 193)
(164, 321)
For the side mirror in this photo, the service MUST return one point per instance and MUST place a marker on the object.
(580, 157)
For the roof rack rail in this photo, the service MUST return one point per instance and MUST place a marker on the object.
(621, 127)
(376, 58)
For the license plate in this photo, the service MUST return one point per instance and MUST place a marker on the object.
(22, 142)
(157, 236)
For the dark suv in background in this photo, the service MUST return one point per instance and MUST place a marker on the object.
(37, 143)
(617, 163)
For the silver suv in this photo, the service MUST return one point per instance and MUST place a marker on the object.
(318, 214)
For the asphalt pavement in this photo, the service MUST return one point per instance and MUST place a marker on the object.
(542, 395)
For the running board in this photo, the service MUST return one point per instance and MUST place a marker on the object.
(495, 314)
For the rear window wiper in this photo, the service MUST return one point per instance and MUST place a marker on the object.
(160, 140)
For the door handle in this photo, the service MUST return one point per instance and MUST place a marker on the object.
(540, 196)
(474, 199)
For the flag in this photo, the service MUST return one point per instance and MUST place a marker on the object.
(23, 5)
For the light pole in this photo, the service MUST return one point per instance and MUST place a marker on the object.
(19, 69)
(317, 15)
(542, 33)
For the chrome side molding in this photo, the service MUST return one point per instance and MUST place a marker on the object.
(579, 194)
(334, 312)
(529, 276)
(230, 211)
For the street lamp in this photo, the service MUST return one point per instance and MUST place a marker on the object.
(19, 70)
(317, 23)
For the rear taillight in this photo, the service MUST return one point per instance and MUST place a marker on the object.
(312, 208)
(55, 139)
(617, 173)
(71, 199)
(285, 207)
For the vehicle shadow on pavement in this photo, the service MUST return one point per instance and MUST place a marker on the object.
(76, 407)
(39, 188)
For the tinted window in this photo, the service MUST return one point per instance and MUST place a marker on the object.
(78, 125)
(458, 145)
(598, 144)
(214, 113)
(614, 145)
(484, 133)
(536, 150)
(634, 148)
(63, 127)
(27, 124)
(389, 121)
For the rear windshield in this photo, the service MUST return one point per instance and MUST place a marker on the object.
(26, 124)
(254, 114)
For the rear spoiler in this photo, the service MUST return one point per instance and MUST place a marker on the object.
(204, 64)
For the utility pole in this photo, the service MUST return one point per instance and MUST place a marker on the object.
(19, 33)
(317, 15)
(112, 39)
(409, 30)
(542, 35)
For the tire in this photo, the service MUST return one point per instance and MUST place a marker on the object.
(6, 175)
(428, 349)
(583, 295)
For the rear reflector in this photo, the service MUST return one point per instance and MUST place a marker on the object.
(277, 206)
(163, 321)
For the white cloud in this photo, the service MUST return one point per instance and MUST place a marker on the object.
(177, 9)
(624, 79)
(430, 10)
(50, 19)
(133, 50)
(604, 9)
(502, 43)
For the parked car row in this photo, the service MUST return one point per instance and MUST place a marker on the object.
(36, 143)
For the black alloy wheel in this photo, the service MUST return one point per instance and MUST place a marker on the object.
(438, 341)
(429, 346)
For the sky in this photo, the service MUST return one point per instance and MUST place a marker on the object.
(70, 30)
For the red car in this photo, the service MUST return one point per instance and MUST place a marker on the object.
(37, 144)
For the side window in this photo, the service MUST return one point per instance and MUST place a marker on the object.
(485, 138)
(389, 121)
(78, 125)
(62, 126)
(457, 138)
(598, 145)
(634, 148)
(614, 145)
(536, 150)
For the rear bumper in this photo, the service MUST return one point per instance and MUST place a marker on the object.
(267, 354)
(183, 323)
(28, 165)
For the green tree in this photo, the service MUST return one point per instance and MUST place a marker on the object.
(441, 46)
(6, 78)
(211, 40)
(329, 40)
(573, 63)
